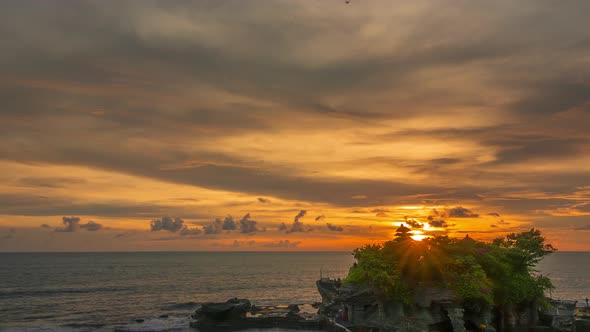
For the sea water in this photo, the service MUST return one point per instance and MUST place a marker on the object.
(157, 291)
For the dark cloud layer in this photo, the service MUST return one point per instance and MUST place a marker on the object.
(503, 83)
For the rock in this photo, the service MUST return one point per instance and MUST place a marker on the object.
(233, 309)
(240, 314)
(328, 289)
(140, 320)
(164, 316)
(560, 315)
(583, 325)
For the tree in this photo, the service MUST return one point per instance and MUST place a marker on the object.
(499, 273)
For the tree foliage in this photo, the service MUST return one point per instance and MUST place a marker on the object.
(497, 273)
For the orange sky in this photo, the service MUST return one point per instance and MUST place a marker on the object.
(143, 122)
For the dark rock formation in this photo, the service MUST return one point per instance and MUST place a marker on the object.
(582, 325)
(436, 309)
(240, 314)
(352, 307)
(359, 307)
(560, 316)
(212, 313)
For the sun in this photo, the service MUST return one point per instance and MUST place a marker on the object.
(418, 237)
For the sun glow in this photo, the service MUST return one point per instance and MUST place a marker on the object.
(418, 237)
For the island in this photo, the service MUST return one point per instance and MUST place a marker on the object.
(438, 284)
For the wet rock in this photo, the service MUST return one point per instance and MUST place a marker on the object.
(212, 312)
(240, 314)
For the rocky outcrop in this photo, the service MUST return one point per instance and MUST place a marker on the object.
(359, 307)
(560, 315)
(215, 313)
(240, 314)
(352, 307)
(437, 309)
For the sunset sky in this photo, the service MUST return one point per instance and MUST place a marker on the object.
(298, 125)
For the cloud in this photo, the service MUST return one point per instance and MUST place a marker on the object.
(320, 217)
(45, 226)
(213, 228)
(71, 224)
(584, 228)
(241, 244)
(446, 161)
(248, 226)
(334, 228)
(461, 212)
(495, 214)
(584, 207)
(240, 87)
(282, 244)
(263, 200)
(37, 205)
(300, 215)
(50, 182)
(185, 231)
(296, 226)
(229, 223)
(412, 223)
(167, 223)
(543, 149)
(436, 219)
(122, 235)
(91, 226)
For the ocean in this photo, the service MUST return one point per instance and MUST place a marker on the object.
(111, 291)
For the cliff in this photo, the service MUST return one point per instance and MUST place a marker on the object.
(435, 309)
